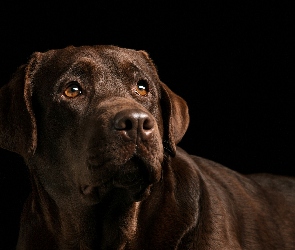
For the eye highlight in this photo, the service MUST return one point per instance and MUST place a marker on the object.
(73, 90)
(142, 88)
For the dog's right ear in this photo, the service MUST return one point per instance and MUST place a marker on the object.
(18, 130)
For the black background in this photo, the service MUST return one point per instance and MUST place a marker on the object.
(232, 61)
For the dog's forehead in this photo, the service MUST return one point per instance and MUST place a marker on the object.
(97, 66)
(105, 58)
(103, 68)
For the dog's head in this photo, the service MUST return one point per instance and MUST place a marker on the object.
(90, 121)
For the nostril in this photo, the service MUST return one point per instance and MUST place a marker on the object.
(123, 121)
(123, 124)
(128, 124)
(148, 124)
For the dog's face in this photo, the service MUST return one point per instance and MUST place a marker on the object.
(99, 118)
(97, 122)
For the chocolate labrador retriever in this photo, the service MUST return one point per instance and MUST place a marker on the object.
(98, 131)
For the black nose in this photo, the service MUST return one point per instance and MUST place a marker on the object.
(134, 124)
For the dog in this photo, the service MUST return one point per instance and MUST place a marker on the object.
(98, 131)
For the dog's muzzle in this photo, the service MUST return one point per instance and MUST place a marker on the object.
(130, 159)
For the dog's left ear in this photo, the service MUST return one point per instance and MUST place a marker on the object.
(18, 130)
(175, 118)
(174, 113)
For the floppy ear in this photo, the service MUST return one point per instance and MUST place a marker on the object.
(18, 131)
(174, 113)
(175, 118)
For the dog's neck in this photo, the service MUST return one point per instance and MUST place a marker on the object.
(76, 227)
(113, 224)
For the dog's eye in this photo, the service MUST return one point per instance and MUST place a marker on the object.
(73, 90)
(142, 88)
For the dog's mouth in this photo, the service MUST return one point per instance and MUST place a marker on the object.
(134, 178)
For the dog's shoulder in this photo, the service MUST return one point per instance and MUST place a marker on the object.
(219, 180)
(276, 185)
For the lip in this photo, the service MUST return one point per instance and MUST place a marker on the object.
(98, 158)
(135, 177)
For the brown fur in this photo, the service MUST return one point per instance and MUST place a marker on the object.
(105, 169)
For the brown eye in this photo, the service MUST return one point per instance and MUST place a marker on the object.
(142, 87)
(73, 90)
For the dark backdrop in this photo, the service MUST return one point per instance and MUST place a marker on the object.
(231, 61)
